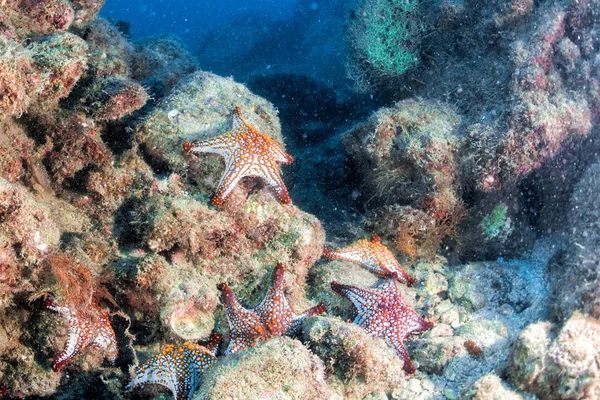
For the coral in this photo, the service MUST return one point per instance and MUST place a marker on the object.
(271, 318)
(17, 78)
(373, 255)
(356, 363)
(112, 98)
(384, 36)
(561, 367)
(496, 223)
(383, 312)
(280, 368)
(163, 58)
(246, 152)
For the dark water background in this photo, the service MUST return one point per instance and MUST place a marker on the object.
(240, 39)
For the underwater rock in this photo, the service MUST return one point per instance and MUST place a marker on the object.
(16, 150)
(28, 224)
(562, 366)
(162, 58)
(112, 98)
(18, 79)
(281, 368)
(577, 275)
(356, 364)
(491, 387)
(61, 59)
(24, 18)
(414, 141)
(110, 53)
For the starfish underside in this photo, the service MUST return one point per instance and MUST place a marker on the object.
(246, 152)
(272, 317)
(382, 312)
(373, 255)
(178, 368)
(86, 328)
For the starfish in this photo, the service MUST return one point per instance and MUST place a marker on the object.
(178, 368)
(246, 152)
(86, 328)
(373, 255)
(272, 317)
(382, 312)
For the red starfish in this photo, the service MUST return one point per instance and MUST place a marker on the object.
(247, 152)
(86, 327)
(382, 312)
(272, 317)
(373, 255)
(180, 369)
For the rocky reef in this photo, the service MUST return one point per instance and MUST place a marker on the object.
(148, 241)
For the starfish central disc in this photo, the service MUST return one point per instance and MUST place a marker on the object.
(246, 152)
(272, 317)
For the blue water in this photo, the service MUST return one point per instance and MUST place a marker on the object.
(243, 39)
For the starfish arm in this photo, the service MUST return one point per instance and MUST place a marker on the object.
(398, 346)
(388, 266)
(80, 332)
(214, 342)
(362, 298)
(273, 179)
(280, 154)
(274, 310)
(231, 177)
(357, 253)
(298, 320)
(245, 325)
(221, 145)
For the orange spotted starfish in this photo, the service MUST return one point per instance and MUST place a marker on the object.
(373, 255)
(246, 152)
(178, 368)
(86, 328)
(382, 312)
(272, 317)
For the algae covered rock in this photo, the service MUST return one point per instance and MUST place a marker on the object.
(193, 247)
(357, 365)
(491, 387)
(414, 141)
(564, 366)
(577, 275)
(281, 368)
